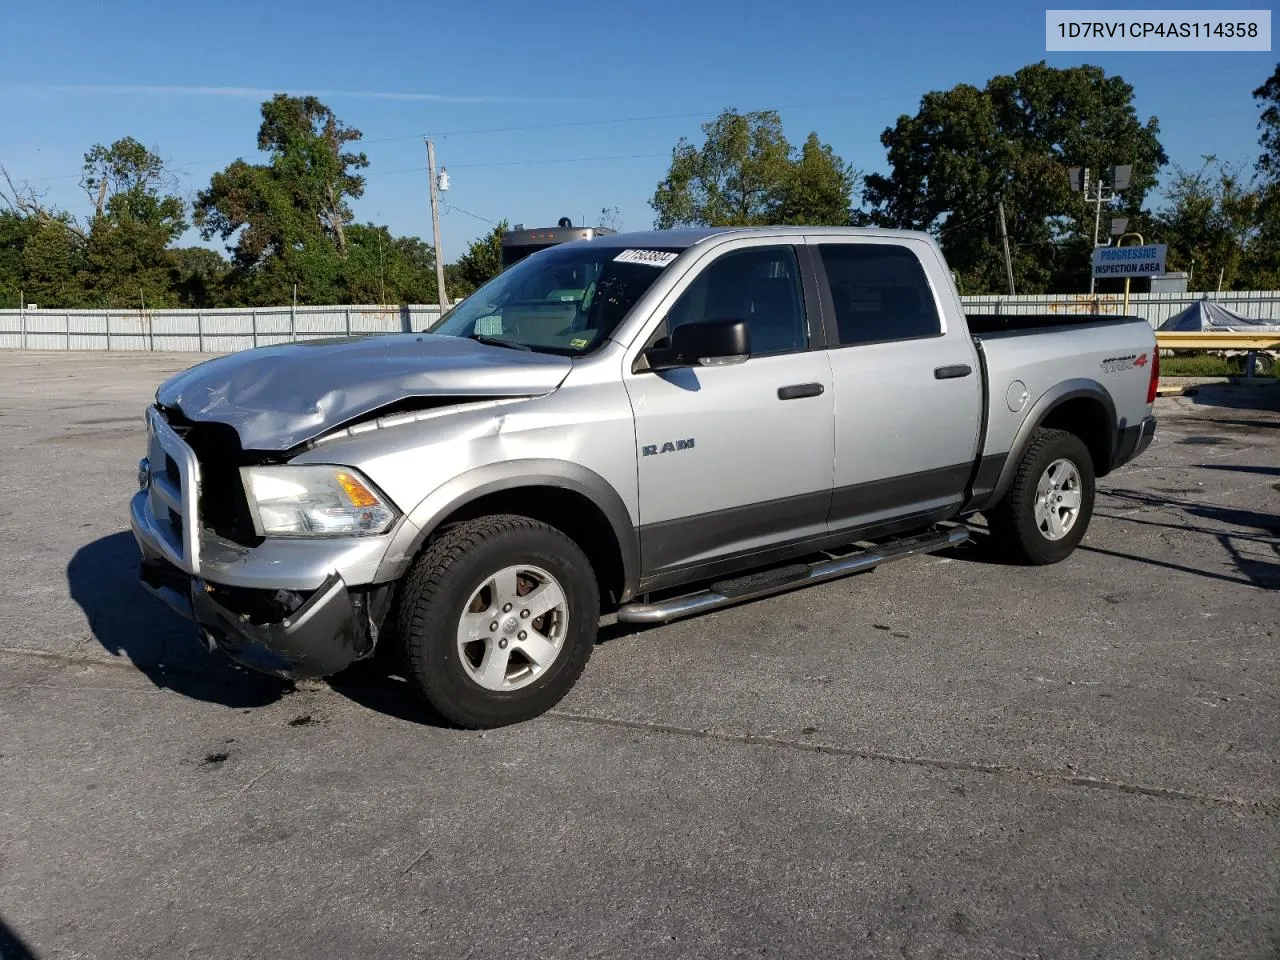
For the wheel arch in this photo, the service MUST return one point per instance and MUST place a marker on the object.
(1082, 407)
(568, 496)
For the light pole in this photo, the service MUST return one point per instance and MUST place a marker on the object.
(1079, 177)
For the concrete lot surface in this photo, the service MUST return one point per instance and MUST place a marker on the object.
(945, 758)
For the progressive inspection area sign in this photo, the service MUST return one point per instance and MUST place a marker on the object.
(1144, 261)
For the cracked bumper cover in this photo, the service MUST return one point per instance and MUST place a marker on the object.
(319, 638)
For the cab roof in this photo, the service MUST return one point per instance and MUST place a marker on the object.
(684, 237)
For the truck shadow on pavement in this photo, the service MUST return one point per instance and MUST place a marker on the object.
(379, 683)
(12, 946)
(1258, 530)
(1263, 395)
(129, 622)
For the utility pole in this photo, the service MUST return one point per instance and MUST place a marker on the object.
(435, 226)
(1004, 239)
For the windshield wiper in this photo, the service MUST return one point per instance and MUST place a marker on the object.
(498, 341)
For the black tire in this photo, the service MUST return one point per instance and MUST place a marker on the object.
(442, 580)
(1012, 522)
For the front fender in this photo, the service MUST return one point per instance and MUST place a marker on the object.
(449, 497)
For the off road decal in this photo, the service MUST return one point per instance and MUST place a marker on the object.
(1127, 362)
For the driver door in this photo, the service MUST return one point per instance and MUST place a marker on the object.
(735, 459)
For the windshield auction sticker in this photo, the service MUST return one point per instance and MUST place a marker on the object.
(1157, 31)
(654, 258)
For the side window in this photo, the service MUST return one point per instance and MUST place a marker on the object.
(879, 291)
(759, 285)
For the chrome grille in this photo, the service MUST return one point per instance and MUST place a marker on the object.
(174, 493)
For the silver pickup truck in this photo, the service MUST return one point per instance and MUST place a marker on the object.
(647, 424)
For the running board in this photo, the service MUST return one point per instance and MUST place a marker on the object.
(780, 579)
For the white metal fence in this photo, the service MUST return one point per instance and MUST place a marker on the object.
(1155, 308)
(201, 331)
(224, 331)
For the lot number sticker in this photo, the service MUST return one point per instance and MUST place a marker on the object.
(654, 258)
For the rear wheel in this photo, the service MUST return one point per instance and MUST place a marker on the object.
(498, 617)
(1046, 511)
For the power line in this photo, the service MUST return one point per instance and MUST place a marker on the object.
(964, 223)
(537, 162)
(450, 207)
(843, 101)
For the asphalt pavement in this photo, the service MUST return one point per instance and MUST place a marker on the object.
(944, 758)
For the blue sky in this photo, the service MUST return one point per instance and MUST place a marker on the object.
(187, 80)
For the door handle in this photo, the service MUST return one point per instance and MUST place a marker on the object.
(952, 372)
(798, 390)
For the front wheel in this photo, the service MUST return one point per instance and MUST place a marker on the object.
(1046, 511)
(499, 616)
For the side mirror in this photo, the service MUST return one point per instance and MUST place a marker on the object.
(706, 343)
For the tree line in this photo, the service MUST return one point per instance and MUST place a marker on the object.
(287, 226)
(968, 150)
(286, 222)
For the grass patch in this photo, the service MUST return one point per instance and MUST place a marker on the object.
(1201, 365)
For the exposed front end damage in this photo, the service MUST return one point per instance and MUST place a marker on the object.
(296, 608)
(290, 634)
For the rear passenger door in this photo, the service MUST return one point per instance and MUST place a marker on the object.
(908, 390)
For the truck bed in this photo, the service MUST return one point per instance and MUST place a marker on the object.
(985, 323)
(1026, 357)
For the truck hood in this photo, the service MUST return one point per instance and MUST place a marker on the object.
(278, 397)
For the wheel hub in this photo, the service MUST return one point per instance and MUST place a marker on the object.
(1058, 499)
(513, 628)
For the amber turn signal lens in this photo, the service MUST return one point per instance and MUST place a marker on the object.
(357, 492)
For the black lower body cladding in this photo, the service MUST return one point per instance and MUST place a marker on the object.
(1134, 440)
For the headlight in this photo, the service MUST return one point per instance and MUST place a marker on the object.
(314, 501)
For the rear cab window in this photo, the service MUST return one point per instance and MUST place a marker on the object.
(879, 292)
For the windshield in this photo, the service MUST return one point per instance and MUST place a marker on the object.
(564, 300)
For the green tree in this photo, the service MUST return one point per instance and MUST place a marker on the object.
(15, 232)
(45, 249)
(289, 216)
(746, 173)
(380, 268)
(120, 258)
(133, 223)
(200, 277)
(1264, 251)
(54, 265)
(481, 262)
(1211, 223)
(819, 187)
(967, 148)
(1269, 123)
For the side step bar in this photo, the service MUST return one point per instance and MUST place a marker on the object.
(778, 580)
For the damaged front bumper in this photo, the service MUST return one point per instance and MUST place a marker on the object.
(273, 628)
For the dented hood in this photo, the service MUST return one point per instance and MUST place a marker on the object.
(278, 397)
